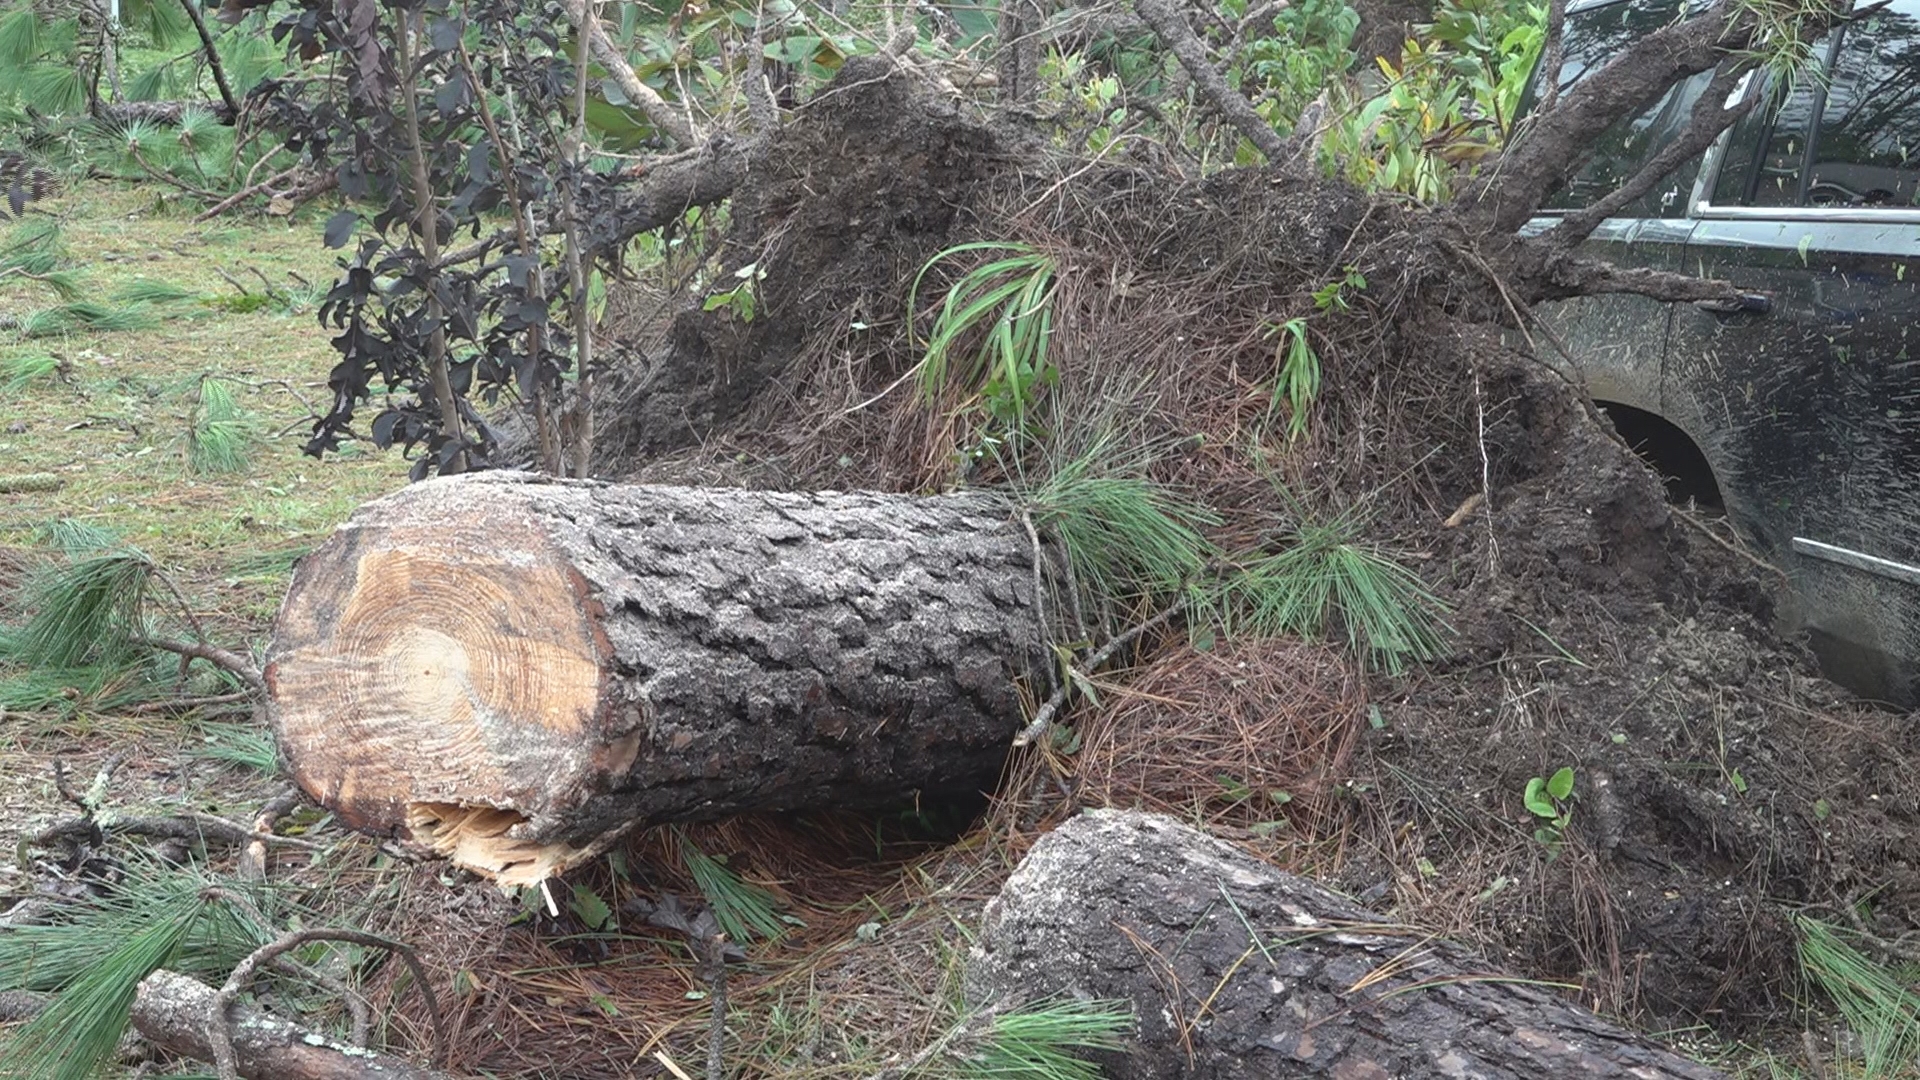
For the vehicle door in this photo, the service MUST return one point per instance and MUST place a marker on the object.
(1614, 343)
(1810, 413)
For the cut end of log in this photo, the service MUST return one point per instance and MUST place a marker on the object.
(439, 652)
(478, 838)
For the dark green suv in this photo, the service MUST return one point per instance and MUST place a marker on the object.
(1801, 420)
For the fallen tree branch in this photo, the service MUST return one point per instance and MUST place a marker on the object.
(1711, 116)
(176, 1013)
(1171, 27)
(231, 662)
(671, 186)
(189, 828)
(1044, 715)
(223, 1035)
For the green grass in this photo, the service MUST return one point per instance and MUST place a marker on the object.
(113, 432)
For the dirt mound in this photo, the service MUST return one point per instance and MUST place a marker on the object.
(1719, 783)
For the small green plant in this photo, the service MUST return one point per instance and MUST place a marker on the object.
(741, 300)
(1333, 296)
(1550, 800)
(1297, 374)
(1009, 301)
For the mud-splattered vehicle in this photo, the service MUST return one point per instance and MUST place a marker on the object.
(1798, 412)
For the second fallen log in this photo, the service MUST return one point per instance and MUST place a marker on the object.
(513, 671)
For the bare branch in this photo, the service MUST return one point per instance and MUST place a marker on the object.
(1554, 58)
(1711, 116)
(1171, 27)
(220, 1033)
(1559, 141)
(659, 113)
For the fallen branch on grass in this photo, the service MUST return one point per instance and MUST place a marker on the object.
(176, 1013)
(226, 1033)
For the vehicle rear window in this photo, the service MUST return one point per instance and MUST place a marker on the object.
(1845, 136)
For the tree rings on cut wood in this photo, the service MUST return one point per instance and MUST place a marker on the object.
(512, 670)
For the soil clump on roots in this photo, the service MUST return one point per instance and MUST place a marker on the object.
(1721, 785)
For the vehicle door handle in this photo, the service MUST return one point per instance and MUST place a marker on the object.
(1744, 304)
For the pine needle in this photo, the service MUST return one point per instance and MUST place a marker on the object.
(85, 613)
(743, 910)
(1039, 1042)
(94, 957)
(74, 538)
(144, 291)
(220, 434)
(1127, 536)
(17, 371)
(1877, 1005)
(246, 745)
(1327, 577)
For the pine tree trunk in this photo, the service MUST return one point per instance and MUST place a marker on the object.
(1236, 969)
(515, 670)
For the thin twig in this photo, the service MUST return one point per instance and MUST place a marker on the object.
(716, 949)
(231, 662)
(1046, 712)
(188, 828)
(220, 1034)
(960, 1032)
(213, 58)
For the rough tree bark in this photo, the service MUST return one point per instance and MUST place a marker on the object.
(174, 1012)
(1235, 969)
(514, 670)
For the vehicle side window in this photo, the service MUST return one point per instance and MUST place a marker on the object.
(1866, 151)
(1594, 35)
(1778, 129)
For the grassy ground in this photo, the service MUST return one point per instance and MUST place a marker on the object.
(109, 425)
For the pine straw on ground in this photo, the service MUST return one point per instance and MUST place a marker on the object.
(1256, 736)
(867, 973)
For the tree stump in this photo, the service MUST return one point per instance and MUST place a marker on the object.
(1235, 969)
(513, 670)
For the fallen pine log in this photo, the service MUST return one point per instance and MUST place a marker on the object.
(512, 671)
(1235, 969)
(175, 1012)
